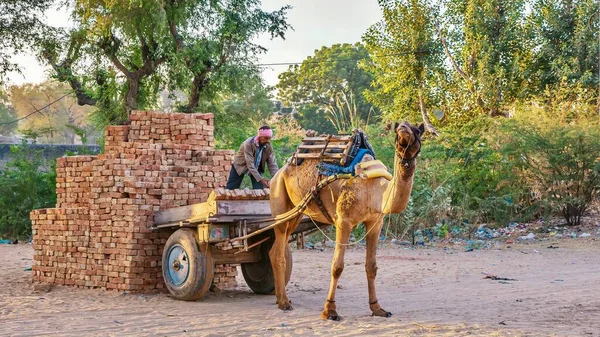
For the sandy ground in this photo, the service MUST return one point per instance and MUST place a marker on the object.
(430, 291)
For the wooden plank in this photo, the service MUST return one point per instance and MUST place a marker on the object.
(321, 146)
(243, 207)
(318, 155)
(324, 139)
(346, 152)
(184, 212)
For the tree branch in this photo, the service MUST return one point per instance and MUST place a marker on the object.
(110, 49)
(64, 73)
(447, 52)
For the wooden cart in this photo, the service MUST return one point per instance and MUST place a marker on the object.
(232, 228)
(236, 226)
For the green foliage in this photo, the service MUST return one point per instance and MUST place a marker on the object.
(288, 135)
(121, 53)
(52, 122)
(323, 79)
(21, 24)
(406, 61)
(239, 115)
(344, 115)
(311, 117)
(28, 182)
(488, 42)
(566, 35)
(7, 115)
(560, 165)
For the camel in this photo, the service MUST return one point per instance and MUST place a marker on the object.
(349, 202)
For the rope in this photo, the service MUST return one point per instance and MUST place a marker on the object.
(370, 229)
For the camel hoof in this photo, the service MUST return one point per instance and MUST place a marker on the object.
(332, 316)
(286, 306)
(382, 313)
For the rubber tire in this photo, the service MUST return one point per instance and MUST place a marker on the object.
(201, 266)
(259, 275)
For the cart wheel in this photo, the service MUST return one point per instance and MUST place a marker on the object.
(259, 275)
(187, 266)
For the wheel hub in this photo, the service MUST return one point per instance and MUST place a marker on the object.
(179, 265)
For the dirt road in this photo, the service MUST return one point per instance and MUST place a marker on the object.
(430, 291)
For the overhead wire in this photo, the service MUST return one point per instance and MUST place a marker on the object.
(257, 65)
(340, 60)
(37, 110)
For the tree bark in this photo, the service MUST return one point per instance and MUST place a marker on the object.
(202, 78)
(197, 84)
(470, 84)
(132, 94)
(426, 121)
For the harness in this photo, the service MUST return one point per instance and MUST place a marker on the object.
(335, 161)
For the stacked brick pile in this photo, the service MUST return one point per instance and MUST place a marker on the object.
(245, 194)
(98, 235)
(224, 276)
(73, 175)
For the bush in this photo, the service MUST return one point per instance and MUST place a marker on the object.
(28, 182)
(561, 165)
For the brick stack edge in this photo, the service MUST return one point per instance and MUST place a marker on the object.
(98, 236)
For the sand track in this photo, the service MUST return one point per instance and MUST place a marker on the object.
(431, 292)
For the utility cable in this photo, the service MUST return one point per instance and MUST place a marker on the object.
(38, 110)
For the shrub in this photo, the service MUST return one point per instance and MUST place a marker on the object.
(28, 182)
(561, 164)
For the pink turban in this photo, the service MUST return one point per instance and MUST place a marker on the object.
(265, 133)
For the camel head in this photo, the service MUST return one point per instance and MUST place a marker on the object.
(408, 140)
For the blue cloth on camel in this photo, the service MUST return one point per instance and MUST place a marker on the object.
(328, 169)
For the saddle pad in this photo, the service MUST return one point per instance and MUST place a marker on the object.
(372, 169)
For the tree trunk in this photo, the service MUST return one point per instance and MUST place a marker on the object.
(197, 85)
(573, 213)
(132, 94)
(426, 121)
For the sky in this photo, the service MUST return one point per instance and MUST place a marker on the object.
(316, 23)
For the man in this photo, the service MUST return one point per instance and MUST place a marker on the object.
(251, 158)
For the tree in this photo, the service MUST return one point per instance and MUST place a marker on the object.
(559, 163)
(239, 115)
(486, 44)
(27, 182)
(321, 79)
(406, 60)
(20, 24)
(566, 34)
(52, 122)
(121, 52)
(7, 116)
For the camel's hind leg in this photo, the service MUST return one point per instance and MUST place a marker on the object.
(280, 203)
(371, 266)
(343, 229)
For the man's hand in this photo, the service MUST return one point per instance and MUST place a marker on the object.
(265, 182)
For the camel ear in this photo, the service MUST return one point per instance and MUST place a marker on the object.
(396, 126)
(422, 128)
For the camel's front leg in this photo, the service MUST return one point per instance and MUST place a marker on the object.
(337, 267)
(278, 263)
(371, 267)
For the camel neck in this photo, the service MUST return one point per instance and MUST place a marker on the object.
(397, 193)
